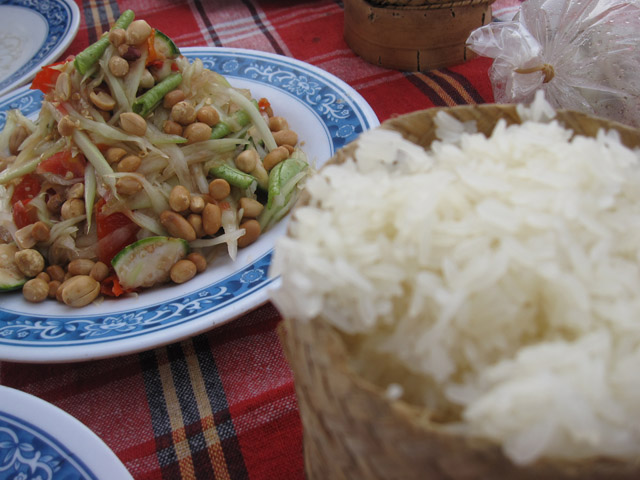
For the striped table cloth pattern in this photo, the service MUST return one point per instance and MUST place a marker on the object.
(222, 405)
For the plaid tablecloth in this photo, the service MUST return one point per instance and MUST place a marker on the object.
(222, 405)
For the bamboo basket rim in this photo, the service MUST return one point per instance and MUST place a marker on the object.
(424, 4)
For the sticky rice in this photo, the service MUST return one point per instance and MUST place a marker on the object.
(493, 280)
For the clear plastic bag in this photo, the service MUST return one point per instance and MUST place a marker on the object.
(584, 54)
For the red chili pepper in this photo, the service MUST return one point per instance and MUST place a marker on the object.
(263, 104)
(174, 67)
(152, 54)
(111, 287)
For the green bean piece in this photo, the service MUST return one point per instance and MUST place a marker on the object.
(222, 129)
(146, 103)
(232, 175)
(90, 55)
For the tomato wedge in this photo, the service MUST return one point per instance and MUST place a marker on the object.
(64, 164)
(23, 193)
(115, 231)
(45, 79)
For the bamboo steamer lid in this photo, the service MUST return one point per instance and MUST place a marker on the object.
(413, 35)
(352, 431)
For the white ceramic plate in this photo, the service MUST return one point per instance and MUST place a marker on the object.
(38, 440)
(326, 113)
(33, 34)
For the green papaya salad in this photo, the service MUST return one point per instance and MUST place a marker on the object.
(141, 168)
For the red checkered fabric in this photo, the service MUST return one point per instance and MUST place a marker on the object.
(222, 405)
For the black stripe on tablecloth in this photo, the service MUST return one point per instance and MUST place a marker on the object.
(263, 28)
(451, 90)
(190, 412)
(220, 409)
(160, 423)
(93, 30)
(205, 19)
(466, 84)
(435, 98)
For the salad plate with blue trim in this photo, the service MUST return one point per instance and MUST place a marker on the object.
(40, 441)
(326, 113)
(33, 34)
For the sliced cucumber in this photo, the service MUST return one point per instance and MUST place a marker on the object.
(165, 46)
(11, 278)
(147, 262)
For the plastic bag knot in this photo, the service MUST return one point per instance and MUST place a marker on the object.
(545, 68)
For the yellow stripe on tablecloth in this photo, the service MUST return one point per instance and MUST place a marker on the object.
(209, 431)
(455, 84)
(178, 434)
(436, 88)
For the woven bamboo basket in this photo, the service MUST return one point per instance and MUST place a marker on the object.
(413, 35)
(352, 431)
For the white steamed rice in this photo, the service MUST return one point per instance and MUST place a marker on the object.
(501, 273)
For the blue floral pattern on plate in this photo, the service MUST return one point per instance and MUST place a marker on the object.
(62, 20)
(28, 453)
(343, 114)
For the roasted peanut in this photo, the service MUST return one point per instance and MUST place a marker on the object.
(118, 66)
(285, 137)
(147, 80)
(211, 219)
(252, 232)
(195, 221)
(274, 157)
(133, 123)
(99, 271)
(172, 128)
(219, 189)
(137, 32)
(56, 272)
(35, 290)
(183, 112)
(199, 261)
(177, 225)
(278, 123)
(44, 276)
(247, 160)
(54, 203)
(54, 285)
(129, 52)
(251, 208)
(197, 132)
(79, 291)
(40, 232)
(208, 115)
(183, 271)
(179, 198)
(115, 154)
(30, 262)
(130, 163)
(128, 186)
(173, 97)
(75, 191)
(63, 86)
(80, 266)
(117, 37)
(102, 100)
(72, 208)
(196, 204)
